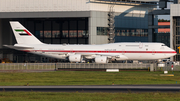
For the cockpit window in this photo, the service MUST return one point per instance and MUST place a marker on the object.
(163, 45)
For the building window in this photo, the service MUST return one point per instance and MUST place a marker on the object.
(81, 33)
(47, 34)
(72, 33)
(133, 32)
(55, 34)
(39, 30)
(65, 33)
(55, 29)
(102, 31)
(123, 32)
(47, 29)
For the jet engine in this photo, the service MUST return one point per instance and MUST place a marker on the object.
(75, 58)
(101, 59)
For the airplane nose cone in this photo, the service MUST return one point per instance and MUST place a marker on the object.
(174, 52)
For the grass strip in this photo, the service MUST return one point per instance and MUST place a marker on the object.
(77, 96)
(86, 78)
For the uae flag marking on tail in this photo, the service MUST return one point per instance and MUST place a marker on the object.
(23, 32)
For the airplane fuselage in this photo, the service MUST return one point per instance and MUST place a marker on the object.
(128, 51)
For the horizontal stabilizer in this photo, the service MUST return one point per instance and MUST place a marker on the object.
(18, 47)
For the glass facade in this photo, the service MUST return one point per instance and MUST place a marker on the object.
(123, 32)
(126, 34)
(58, 31)
(163, 38)
(176, 37)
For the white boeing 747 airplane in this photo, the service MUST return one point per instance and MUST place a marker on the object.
(101, 53)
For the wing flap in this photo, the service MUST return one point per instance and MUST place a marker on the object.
(115, 56)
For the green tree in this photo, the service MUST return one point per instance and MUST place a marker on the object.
(162, 20)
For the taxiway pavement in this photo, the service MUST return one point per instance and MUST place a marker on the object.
(96, 88)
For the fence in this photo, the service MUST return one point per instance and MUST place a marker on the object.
(53, 66)
(27, 66)
(168, 68)
(103, 66)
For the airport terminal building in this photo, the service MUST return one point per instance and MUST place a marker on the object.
(73, 22)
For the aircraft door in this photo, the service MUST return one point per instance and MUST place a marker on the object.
(140, 45)
(123, 52)
(71, 50)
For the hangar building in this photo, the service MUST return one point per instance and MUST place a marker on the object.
(175, 28)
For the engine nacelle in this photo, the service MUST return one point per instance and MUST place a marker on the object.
(101, 59)
(75, 58)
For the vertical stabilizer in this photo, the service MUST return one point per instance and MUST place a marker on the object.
(22, 35)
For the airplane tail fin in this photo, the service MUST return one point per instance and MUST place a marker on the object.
(22, 35)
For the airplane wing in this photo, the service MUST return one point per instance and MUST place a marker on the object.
(118, 57)
(88, 54)
(112, 55)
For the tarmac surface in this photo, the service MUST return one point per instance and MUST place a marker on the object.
(96, 88)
